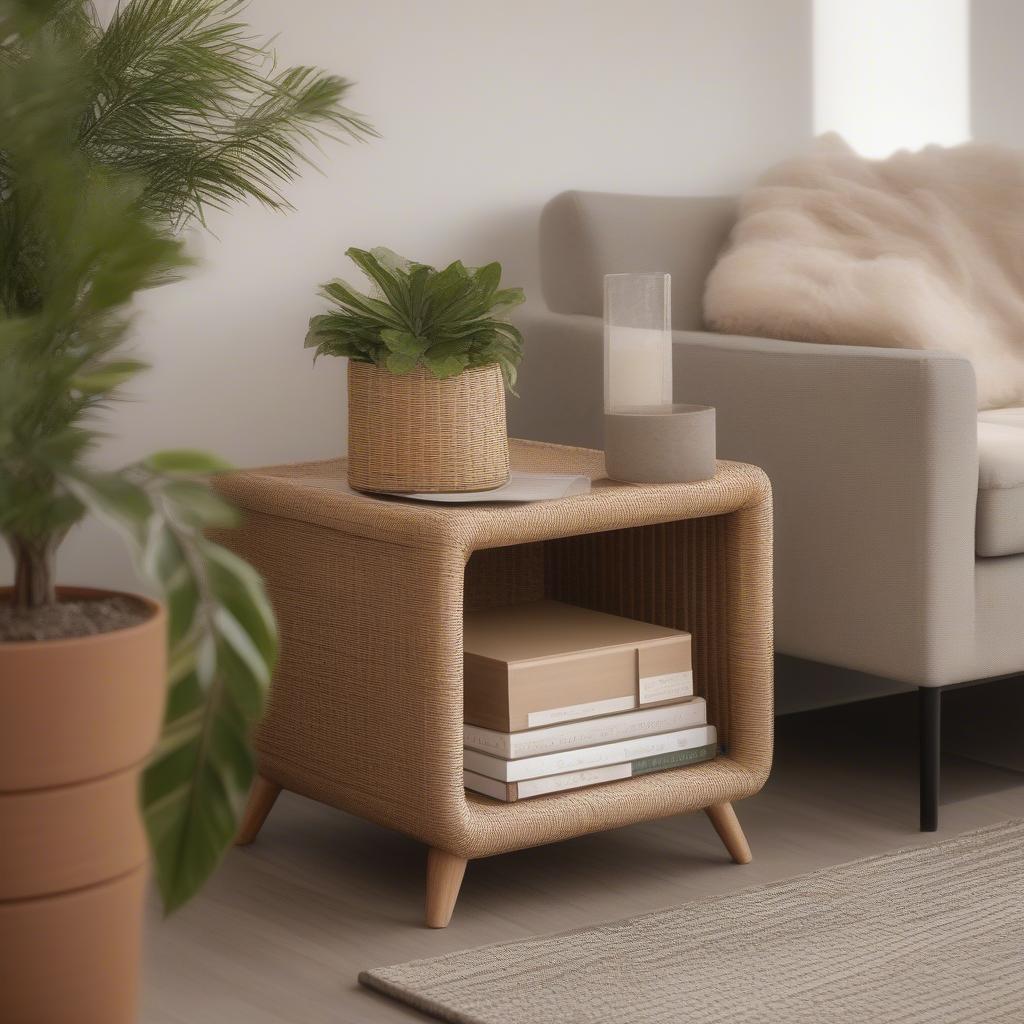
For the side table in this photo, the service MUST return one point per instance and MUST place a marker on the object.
(365, 711)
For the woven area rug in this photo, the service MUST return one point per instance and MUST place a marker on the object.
(933, 935)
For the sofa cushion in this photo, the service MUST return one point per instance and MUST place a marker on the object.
(1000, 519)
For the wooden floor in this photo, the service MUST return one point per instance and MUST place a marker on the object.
(281, 932)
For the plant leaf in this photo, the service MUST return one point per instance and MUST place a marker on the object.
(487, 278)
(347, 296)
(106, 378)
(452, 347)
(185, 462)
(403, 342)
(389, 259)
(113, 498)
(193, 797)
(199, 506)
(506, 299)
(379, 266)
(447, 366)
(195, 786)
(239, 589)
(399, 364)
(318, 329)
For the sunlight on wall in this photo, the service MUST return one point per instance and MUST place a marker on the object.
(892, 74)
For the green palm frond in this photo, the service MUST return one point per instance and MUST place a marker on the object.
(184, 96)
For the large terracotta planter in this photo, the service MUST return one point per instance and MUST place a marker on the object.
(78, 717)
(414, 432)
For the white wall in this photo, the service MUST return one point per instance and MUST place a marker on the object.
(997, 71)
(892, 74)
(486, 108)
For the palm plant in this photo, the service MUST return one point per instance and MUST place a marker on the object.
(110, 139)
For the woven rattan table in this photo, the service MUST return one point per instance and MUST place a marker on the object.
(365, 711)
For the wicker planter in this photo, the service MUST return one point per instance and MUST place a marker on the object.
(416, 433)
(78, 717)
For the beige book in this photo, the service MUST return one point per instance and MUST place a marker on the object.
(546, 662)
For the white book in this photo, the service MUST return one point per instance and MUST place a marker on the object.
(587, 757)
(552, 738)
(512, 791)
(549, 784)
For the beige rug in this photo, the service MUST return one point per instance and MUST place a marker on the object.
(927, 936)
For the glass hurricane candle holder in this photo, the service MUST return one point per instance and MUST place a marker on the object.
(648, 438)
(637, 341)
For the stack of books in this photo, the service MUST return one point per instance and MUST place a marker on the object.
(559, 697)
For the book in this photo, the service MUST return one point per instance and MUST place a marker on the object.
(588, 732)
(678, 758)
(521, 486)
(545, 662)
(587, 757)
(512, 791)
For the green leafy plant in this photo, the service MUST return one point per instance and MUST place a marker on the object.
(109, 139)
(444, 320)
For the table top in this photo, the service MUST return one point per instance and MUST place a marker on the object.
(318, 492)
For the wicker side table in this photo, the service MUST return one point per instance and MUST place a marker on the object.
(365, 711)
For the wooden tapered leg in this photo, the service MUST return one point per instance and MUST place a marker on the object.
(729, 830)
(444, 879)
(261, 800)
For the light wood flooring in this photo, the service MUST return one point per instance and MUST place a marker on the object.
(281, 932)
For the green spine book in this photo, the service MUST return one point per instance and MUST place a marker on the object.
(674, 760)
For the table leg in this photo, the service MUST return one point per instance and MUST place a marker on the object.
(729, 830)
(261, 800)
(444, 879)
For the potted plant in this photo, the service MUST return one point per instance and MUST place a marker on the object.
(429, 358)
(109, 138)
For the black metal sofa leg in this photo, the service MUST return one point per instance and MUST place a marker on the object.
(929, 732)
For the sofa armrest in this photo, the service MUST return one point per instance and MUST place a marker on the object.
(872, 454)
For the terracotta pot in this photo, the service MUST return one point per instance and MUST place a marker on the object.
(414, 432)
(78, 717)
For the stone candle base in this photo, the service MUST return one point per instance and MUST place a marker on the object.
(661, 444)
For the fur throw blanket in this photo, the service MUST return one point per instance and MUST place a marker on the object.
(922, 250)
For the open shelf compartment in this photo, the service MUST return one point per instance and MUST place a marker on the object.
(668, 574)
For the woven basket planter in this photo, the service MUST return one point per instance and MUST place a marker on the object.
(414, 432)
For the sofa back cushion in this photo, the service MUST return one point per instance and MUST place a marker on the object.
(921, 250)
(585, 235)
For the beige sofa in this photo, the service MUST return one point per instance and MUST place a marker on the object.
(899, 508)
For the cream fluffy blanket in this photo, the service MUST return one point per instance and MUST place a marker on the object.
(921, 250)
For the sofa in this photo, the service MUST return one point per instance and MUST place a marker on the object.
(899, 508)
